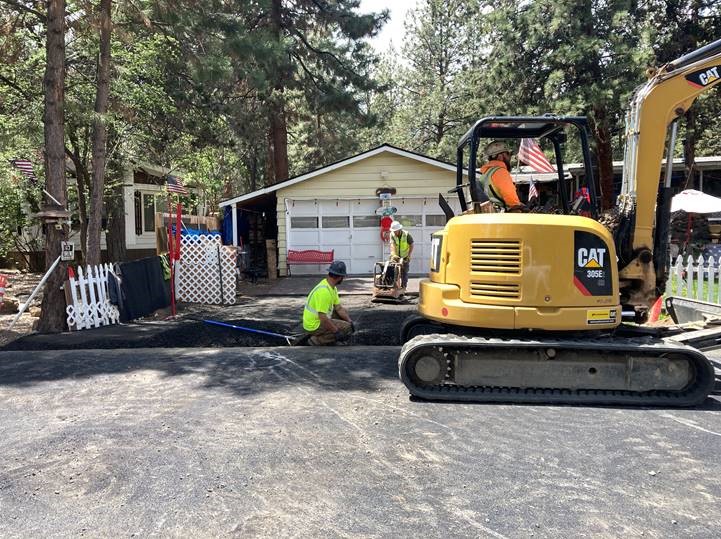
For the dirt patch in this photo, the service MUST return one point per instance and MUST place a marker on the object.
(376, 324)
(17, 291)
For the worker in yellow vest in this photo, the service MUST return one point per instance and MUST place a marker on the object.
(320, 307)
(401, 249)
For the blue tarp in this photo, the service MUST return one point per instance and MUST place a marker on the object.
(195, 232)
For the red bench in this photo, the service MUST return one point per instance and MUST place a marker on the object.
(311, 256)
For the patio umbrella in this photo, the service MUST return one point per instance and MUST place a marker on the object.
(692, 201)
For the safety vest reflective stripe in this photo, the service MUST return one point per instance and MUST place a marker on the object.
(487, 184)
(317, 287)
(401, 244)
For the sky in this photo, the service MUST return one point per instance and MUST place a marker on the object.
(393, 30)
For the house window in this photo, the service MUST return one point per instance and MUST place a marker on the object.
(303, 222)
(146, 206)
(366, 221)
(148, 213)
(410, 220)
(435, 220)
(336, 221)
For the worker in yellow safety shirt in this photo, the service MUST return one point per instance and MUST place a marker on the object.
(496, 178)
(320, 307)
(401, 249)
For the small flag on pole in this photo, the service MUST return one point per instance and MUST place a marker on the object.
(530, 153)
(532, 191)
(175, 185)
(26, 168)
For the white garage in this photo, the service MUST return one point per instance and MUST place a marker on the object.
(350, 228)
(335, 208)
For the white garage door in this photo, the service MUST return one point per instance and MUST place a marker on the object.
(422, 217)
(351, 229)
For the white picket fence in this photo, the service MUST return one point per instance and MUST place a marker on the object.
(89, 302)
(696, 279)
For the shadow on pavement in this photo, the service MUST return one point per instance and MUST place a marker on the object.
(243, 371)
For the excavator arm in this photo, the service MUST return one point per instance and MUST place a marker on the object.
(660, 102)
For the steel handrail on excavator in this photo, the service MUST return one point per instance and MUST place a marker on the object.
(549, 126)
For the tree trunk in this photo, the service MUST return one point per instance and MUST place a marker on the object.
(278, 141)
(115, 236)
(99, 135)
(278, 133)
(52, 318)
(604, 154)
(81, 178)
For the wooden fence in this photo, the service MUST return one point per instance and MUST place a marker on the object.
(88, 300)
(695, 279)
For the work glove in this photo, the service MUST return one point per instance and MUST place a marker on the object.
(395, 258)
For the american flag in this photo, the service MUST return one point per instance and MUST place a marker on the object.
(175, 185)
(532, 191)
(530, 153)
(26, 168)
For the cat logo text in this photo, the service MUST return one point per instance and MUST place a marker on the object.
(590, 258)
(704, 77)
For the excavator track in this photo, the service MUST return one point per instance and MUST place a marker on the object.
(608, 370)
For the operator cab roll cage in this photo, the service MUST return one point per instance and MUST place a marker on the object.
(549, 126)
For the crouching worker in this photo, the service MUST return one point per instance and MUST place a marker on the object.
(322, 305)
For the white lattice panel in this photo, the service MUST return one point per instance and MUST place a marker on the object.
(203, 259)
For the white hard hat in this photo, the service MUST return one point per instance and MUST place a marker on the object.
(396, 226)
(496, 147)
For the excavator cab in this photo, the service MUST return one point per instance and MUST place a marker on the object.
(570, 197)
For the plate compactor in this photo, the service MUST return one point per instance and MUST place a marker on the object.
(387, 282)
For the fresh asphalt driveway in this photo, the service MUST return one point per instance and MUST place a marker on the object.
(325, 442)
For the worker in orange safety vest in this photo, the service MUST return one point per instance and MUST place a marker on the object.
(496, 178)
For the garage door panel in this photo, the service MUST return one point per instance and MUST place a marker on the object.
(367, 236)
(363, 266)
(335, 207)
(340, 252)
(305, 237)
(365, 251)
(302, 207)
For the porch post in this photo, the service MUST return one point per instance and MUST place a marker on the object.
(234, 214)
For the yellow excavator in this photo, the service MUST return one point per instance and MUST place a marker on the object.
(527, 307)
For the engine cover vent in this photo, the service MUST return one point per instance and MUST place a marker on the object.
(496, 256)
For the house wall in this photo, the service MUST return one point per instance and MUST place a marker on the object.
(411, 178)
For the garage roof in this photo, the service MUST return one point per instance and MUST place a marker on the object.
(338, 164)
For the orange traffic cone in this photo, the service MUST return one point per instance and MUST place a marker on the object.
(656, 310)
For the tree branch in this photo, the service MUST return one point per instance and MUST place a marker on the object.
(322, 53)
(17, 88)
(26, 9)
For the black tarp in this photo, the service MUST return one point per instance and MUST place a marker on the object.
(144, 287)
